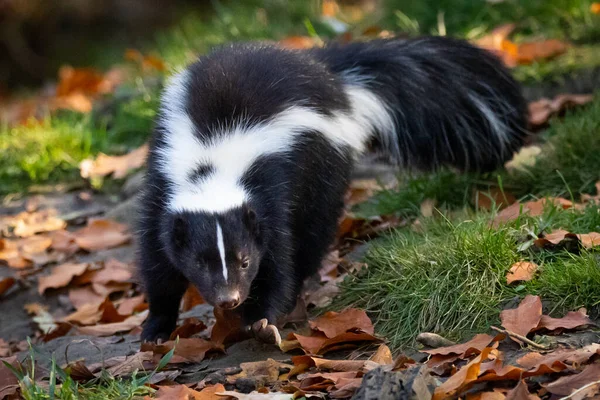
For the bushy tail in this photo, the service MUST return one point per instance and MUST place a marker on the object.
(445, 101)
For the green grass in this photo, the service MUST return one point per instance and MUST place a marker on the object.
(567, 19)
(567, 165)
(61, 385)
(49, 151)
(451, 278)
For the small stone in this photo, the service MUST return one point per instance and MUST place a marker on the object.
(245, 385)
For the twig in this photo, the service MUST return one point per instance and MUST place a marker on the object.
(580, 390)
(520, 337)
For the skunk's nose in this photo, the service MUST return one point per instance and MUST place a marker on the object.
(230, 301)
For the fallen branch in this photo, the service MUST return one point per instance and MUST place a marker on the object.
(522, 338)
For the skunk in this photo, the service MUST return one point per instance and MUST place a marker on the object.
(254, 145)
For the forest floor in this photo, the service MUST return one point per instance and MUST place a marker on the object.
(505, 263)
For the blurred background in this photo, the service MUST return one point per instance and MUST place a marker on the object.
(80, 77)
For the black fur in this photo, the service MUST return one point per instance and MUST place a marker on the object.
(296, 197)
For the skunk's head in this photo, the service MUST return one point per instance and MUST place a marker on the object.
(217, 252)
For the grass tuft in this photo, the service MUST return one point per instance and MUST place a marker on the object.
(451, 278)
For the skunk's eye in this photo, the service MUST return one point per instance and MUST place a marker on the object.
(245, 262)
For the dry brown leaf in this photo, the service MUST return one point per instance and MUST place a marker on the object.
(461, 379)
(101, 234)
(473, 346)
(521, 271)
(182, 392)
(520, 392)
(191, 298)
(542, 110)
(6, 283)
(82, 296)
(113, 328)
(117, 166)
(190, 327)
(27, 224)
(227, 328)
(186, 350)
(333, 324)
(113, 271)
(525, 317)
(383, 356)
(531, 208)
(558, 360)
(493, 198)
(61, 276)
(9, 384)
(133, 304)
(566, 385)
(305, 362)
(320, 344)
(589, 240)
(265, 372)
(64, 242)
(89, 314)
(573, 319)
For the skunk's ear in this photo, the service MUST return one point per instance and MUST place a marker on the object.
(251, 220)
(179, 232)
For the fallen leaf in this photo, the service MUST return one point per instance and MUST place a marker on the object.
(320, 344)
(462, 378)
(533, 51)
(524, 318)
(254, 396)
(27, 224)
(82, 296)
(113, 328)
(542, 110)
(61, 276)
(595, 8)
(333, 324)
(182, 392)
(6, 283)
(264, 372)
(525, 157)
(573, 319)
(566, 385)
(64, 242)
(521, 271)
(191, 298)
(112, 271)
(190, 327)
(307, 362)
(101, 234)
(383, 356)
(473, 346)
(494, 197)
(227, 328)
(9, 384)
(557, 360)
(125, 365)
(117, 166)
(589, 240)
(520, 392)
(133, 304)
(186, 350)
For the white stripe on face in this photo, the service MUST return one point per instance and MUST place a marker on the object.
(221, 247)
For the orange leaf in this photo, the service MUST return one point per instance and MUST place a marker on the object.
(6, 283)
(191, 298)
(132, 304)
(297, 42)
(333, 324)
(383, 356)
(473, 346)
(188, 350)
(320, 344)
(227, 328)
(84, 80)
(61, 276)
(589, 240)
(494, 197)
(101, 234)
(190, 327)
(182, 392)
(595, 8)
(112, 271)
(534, 51)
(118, 166)
(461, 379)
(525, 317)
(521, 271)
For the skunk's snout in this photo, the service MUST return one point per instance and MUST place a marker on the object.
(229, 301)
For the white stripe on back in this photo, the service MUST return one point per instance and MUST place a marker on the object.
(233, 152)
(221, 247)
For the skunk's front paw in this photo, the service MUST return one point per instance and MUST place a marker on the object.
(265, 332)
(157, 329)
